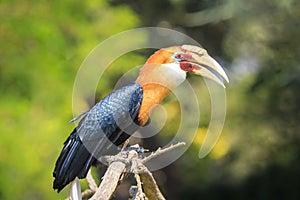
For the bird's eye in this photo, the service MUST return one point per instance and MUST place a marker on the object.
(178, 56)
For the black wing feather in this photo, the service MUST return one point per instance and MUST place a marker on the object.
(103, 124)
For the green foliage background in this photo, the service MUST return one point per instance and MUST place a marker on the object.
(44, 42)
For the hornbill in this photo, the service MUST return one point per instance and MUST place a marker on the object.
(106, 121)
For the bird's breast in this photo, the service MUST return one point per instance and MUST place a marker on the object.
(153, 94)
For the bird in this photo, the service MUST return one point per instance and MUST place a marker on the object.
(118, 115)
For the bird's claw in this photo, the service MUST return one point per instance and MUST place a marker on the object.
(138, 149)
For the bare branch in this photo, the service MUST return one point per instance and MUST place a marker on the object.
(150, 186)
(91, 182)
(160, 151)
(110, 181)
(122, 163)
(139, 194)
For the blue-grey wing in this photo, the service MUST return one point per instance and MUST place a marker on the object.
(112, 120)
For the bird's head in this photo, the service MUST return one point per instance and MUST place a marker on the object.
(169, 66)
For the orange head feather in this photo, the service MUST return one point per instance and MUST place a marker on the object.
(167, 68)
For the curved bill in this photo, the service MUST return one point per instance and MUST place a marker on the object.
(209, 68)
(204, 65)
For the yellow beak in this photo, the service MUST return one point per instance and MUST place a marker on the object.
(205, 65)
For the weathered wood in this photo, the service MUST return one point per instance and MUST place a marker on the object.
(127, 162)
(110, 181)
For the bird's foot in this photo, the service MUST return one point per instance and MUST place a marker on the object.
(137, 148)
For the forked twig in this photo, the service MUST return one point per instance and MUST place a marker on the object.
(127, 162)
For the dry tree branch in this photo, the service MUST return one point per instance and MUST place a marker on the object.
(161, 151)
(122, 163)
(150, 186)
(110, 181)
(91, 182)
(137, 191)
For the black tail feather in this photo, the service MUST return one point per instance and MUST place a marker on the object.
(73, 161)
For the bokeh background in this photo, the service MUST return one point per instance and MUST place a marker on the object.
(257, 156)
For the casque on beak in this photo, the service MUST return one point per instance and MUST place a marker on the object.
(197, 61)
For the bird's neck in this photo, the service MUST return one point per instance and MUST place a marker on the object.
(157, 81)
(153, 94)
